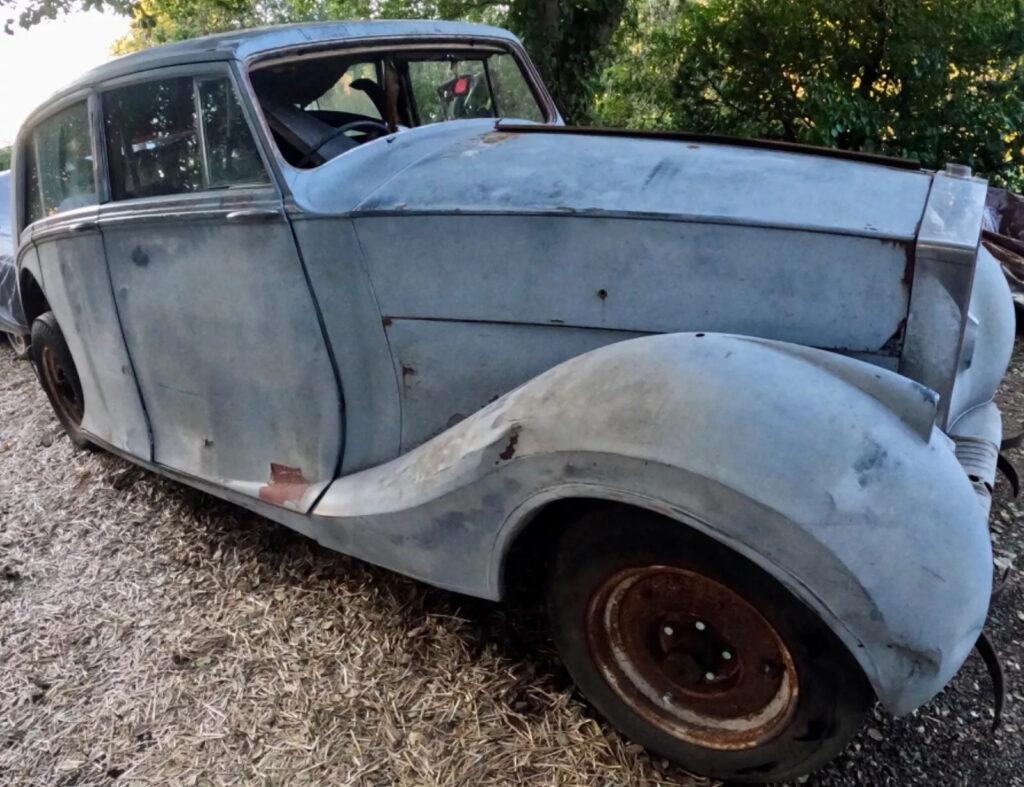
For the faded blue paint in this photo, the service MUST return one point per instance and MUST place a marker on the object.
(386, 296)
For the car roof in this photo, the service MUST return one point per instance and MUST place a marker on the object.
(244, 44)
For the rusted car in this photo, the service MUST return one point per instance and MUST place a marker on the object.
(12, 322)
(730, 403)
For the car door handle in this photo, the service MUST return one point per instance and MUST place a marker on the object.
(84, 226)
(254, 214)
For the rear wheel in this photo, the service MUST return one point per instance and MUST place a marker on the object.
(696, 653)
(19, 343)
(57, 372)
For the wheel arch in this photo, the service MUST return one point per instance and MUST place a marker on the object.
(33, 299)
(820, 469)
(534, 528)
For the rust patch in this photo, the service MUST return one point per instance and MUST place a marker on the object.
(908, 270)
(510, 449)
(602, 293)
(408, 371)
(894, 344)
(497, 137)
(386, 322)
(693, 147)
(287, 485)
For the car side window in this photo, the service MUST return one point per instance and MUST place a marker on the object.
(59, 171)
(155, 133)
(511, 92)
(152, 139)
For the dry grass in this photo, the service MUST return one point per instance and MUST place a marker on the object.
(152, 635)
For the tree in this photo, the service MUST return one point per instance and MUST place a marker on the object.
(568, 39)
(5, 158)
(935, 80)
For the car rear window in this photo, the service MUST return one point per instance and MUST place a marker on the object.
(59, 169)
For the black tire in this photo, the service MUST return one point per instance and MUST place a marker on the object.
(20, 344)
(57, 372)
(619, 573)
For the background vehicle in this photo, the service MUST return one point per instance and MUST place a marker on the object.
(12, 321)
(740, 394)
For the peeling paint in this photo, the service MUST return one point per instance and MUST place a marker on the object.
(510, 449)
(497, 137)
(287, 485)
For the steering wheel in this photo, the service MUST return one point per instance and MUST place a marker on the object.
(371, 125)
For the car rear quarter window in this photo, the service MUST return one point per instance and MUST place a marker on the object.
(59, 170)
(155, 133)
(231, 154)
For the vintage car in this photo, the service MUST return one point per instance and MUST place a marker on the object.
(730, 403)
(12, 321)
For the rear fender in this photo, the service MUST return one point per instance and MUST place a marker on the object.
(823, 470)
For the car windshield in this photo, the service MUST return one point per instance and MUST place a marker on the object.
(320, 107)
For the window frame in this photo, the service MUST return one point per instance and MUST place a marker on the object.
(24, 148)
(197, 72)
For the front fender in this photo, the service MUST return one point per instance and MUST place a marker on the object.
(823, 470)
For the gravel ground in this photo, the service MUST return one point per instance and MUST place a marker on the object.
(150, 634)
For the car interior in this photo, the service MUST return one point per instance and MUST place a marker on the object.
(320, 107)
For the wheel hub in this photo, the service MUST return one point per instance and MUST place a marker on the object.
(692, 656)
(63, 386)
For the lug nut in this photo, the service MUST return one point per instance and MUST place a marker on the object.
(669, 631)
(709, 676)
(699, 625)
(726, 655)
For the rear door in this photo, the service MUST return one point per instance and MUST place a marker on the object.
(59, 198)
(213, 298)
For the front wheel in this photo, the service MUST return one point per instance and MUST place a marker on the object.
(57, 372)
(696, 653)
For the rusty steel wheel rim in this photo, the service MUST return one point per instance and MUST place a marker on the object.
(65, 393)
(692, 657)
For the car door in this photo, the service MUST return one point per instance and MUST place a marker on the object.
(66, 249)
(214, 302)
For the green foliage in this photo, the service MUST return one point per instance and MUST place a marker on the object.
(567, 38)
(935, 80)
(570, 41)
(5, 158)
